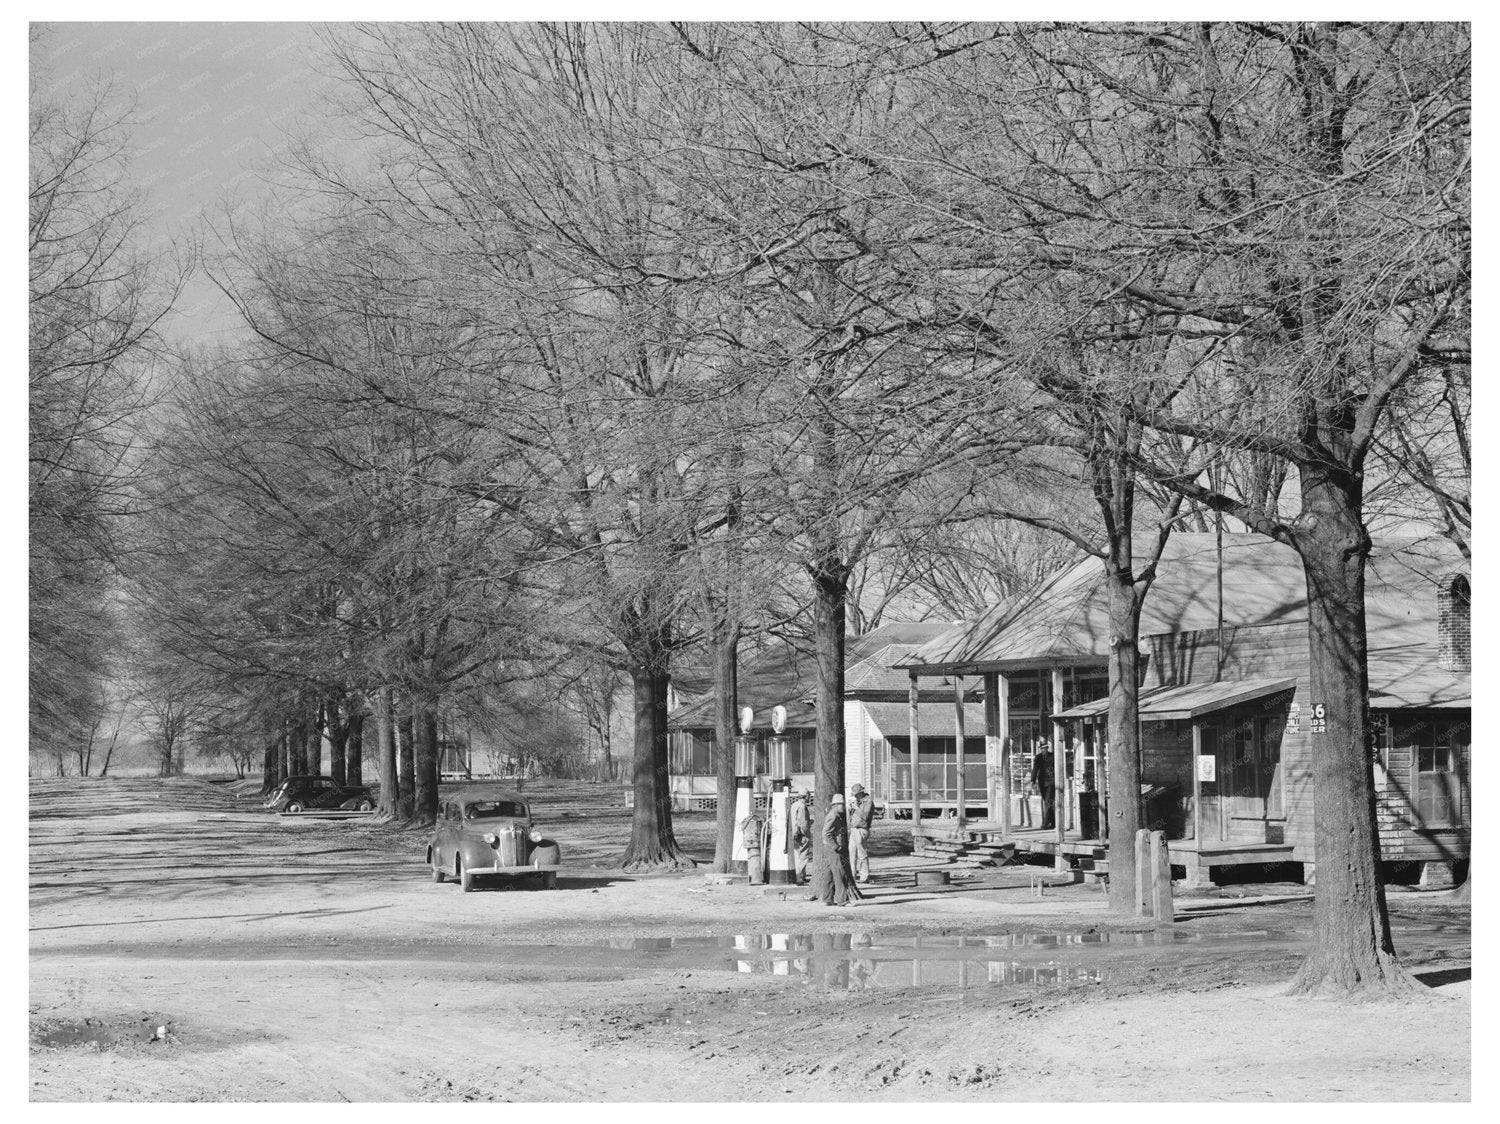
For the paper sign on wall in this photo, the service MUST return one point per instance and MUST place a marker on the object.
(1206, 765)
(1294, 718)
(1319, 723)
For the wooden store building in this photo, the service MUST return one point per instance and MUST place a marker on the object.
(1227, 724)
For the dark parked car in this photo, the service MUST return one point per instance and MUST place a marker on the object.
(300, 794)
(484, 833)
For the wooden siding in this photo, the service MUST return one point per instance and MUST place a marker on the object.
(1280, 650)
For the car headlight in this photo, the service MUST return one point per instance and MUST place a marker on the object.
(535, 836)
(491, 838)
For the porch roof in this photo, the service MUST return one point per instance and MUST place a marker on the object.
(1190, 701)
(934, 719)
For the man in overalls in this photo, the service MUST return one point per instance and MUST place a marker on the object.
(860, 816)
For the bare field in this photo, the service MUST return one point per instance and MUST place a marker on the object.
(185, 946)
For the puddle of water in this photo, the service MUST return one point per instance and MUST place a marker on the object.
(934, 947)
(859, 960)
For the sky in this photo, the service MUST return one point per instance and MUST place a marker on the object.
(214, 105)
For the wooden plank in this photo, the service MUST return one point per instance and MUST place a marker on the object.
(1161, 878)
(1143, 873)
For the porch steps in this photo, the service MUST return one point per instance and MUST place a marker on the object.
(966, 852)
(991, 847)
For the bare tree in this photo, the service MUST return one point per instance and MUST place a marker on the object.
(1312, 183)
(96, 296)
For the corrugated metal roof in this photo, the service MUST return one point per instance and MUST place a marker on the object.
(1085, 710)
(934, 720)
(1066, 618)
(1203, 698)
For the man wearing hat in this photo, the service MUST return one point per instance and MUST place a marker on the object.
(861, 812)
(1041, 777)
(840, 888)
(802, 839)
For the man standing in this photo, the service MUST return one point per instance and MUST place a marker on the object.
(802, 835)
(840, 889)
(860, 816)
(750, 832)
(1041, 777)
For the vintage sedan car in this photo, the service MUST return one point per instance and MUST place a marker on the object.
(480, 834)
(301, 794)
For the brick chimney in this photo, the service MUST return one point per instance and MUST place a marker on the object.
(1453, 623)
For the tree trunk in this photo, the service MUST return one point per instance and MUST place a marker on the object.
(830, 587)
(354, 755)
(284, 754)
(269, 758)
(652, 844)
(109, 750)
(425, 764)
(338, 733)
(726, 653)
(1124, 730)
(385, 754)
(406, 804)
(1352, 951)
(297, 736)
(314, 759)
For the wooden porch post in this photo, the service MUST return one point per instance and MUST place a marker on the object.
(1197, 788)
(958, 750)
(916, 794)
(1002, 720)
(1101, 775)
(1059, 771)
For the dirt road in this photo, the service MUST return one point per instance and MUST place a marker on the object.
(186, 946)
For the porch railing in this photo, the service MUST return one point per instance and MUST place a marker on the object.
(939, 783)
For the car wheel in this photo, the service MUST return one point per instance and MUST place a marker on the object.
(293, 807)
(465, 879)
(364, 806)
(549, 880)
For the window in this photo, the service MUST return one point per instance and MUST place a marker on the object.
(1437, 744)
(1437, 790)
(803, 750)
(1085, 687)
(1024, 733)
(691, 752)
(1025, 692)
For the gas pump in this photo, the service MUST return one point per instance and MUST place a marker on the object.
(781, 863)
(744, 789)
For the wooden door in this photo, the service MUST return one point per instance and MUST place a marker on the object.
(1210, 811)
(1251, 757)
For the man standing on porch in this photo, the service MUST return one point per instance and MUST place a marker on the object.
(1041, 776)
(860, 816)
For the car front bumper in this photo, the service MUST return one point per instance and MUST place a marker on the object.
(511, 869)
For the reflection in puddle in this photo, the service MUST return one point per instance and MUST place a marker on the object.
(858, 960)
(934, 946)
(855, 961)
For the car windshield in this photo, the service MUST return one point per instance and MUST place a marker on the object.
(494, 809)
